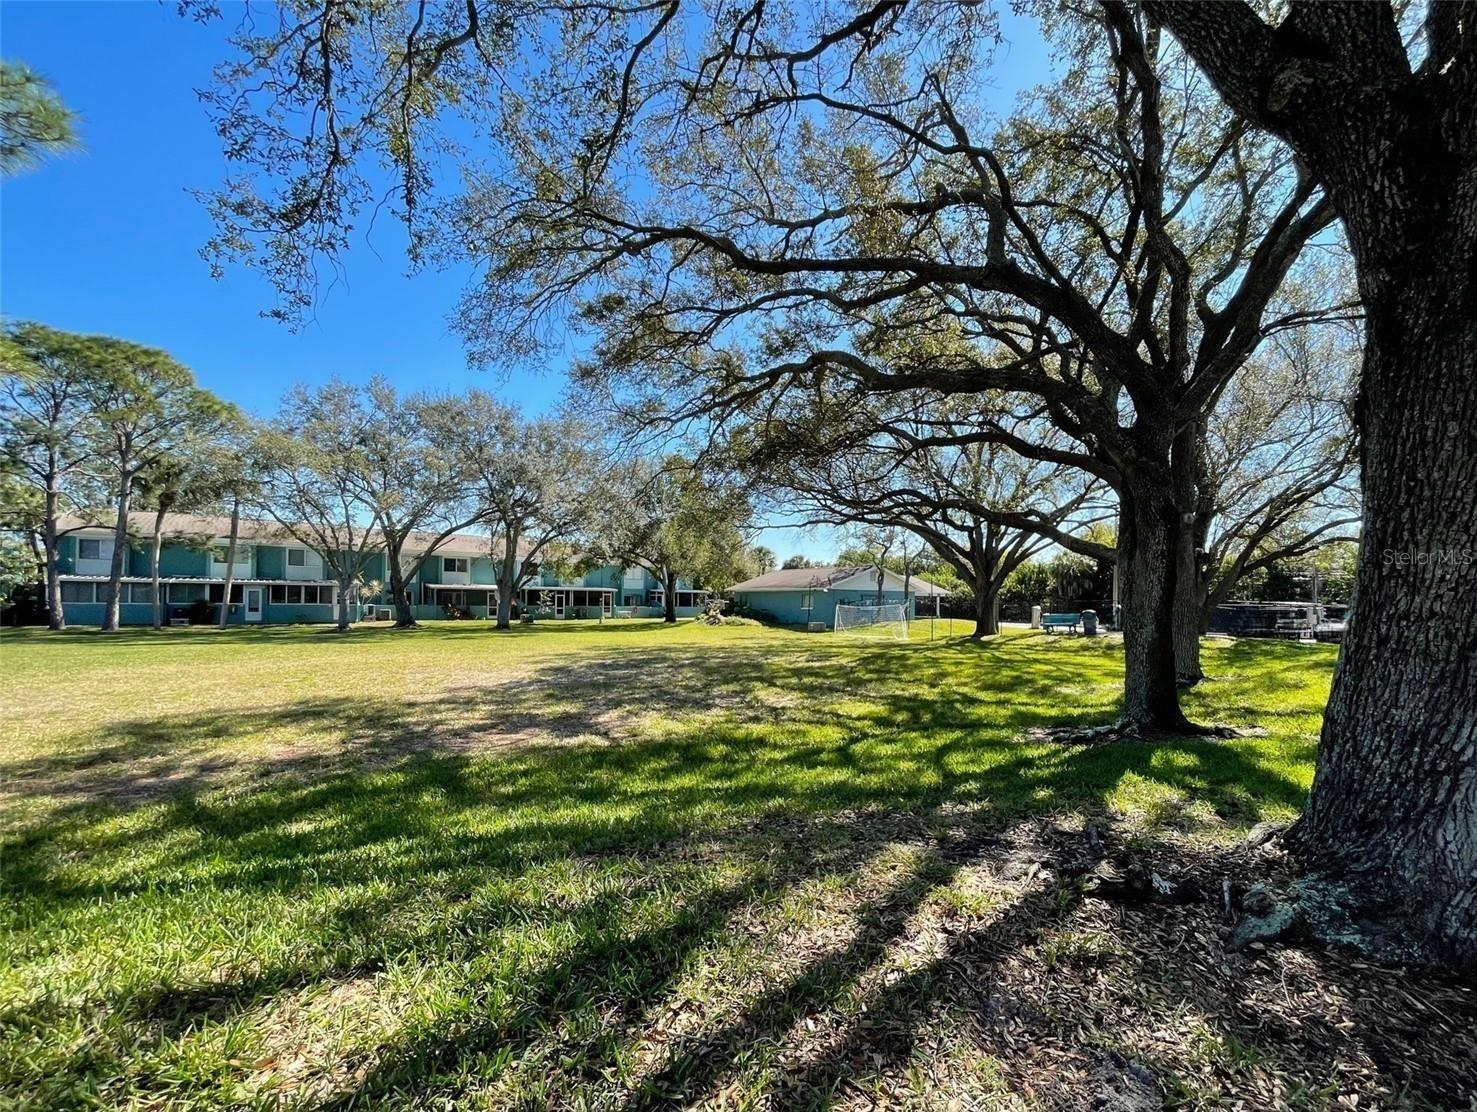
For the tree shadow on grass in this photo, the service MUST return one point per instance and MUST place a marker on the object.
(564, 1024)
(694, 807)
(1282, 1025)
(995, 692)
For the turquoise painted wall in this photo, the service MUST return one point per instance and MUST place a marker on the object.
(271, 562)
(483, 570)
(785, 606)
(288, 613)
(177, 559)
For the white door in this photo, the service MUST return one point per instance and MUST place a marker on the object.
(253, 604)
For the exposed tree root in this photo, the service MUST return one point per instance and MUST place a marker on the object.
(1126, 730)
(1309, 910)
(1332, 913)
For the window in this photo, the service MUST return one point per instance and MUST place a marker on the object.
(297, 557)
(79, 592)
(807, 600)
(294, 596)
(182, 594)
(457, 565)
(90, 548)
(141, 593)
(279, 593)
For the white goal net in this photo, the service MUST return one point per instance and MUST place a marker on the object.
(887, 622)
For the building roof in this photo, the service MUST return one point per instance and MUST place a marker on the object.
(833, 577)
(141, 524)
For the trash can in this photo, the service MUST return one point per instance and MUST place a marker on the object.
(1089, 623)
(1035, 617)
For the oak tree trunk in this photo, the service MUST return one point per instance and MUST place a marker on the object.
(1151, 554)
(507, 579)
(1189, 605)
(669, 599)
(345, 592)
(1392, 818)
(1393, 811)
(986, 610)
(1189, 487)
(400, 598)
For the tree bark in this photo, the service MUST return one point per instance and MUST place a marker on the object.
(1152, 539)
(404, 616)
(507, 578)
(120, 553)
(1392, 818)
(1187, 468)
(986, 609)
(56, 618)
(669, 596)
(156, 546)
(230, 564)
(345, 591)
(1189, 600)
(1393, 809)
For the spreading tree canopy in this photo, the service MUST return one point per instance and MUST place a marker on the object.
(740, 203)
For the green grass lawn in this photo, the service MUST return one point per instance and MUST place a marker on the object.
(581, 865)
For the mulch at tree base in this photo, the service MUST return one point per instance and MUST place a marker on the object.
(1132, 1000)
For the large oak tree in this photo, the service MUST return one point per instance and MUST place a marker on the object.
(1389, 130)
(809, 184)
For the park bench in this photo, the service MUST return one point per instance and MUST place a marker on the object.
(1053, 622)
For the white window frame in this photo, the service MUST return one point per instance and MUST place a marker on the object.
(310, 570)
(100, 563)
(456, 570)
(218, 553)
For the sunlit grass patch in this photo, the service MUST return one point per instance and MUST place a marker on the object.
(580, 864)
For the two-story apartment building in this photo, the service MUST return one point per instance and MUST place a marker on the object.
(277, 578)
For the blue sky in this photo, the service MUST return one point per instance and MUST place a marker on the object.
(107, 239)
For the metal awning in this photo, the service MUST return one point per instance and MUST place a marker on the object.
(194, 580)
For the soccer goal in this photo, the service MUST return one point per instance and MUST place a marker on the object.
(887, 622)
